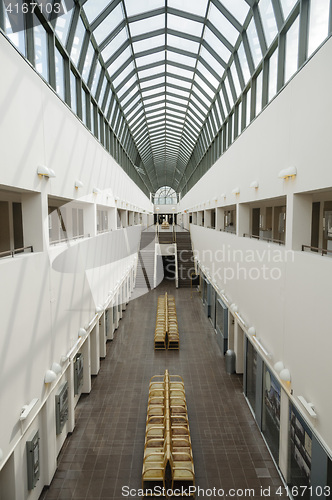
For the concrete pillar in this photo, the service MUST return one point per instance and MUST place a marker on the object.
(242, 219)
(220, 220)
(298, 221)
(207, 218)
(90, 219)
(35, 220)
(95, 350)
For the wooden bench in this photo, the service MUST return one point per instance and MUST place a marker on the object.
(167, 436)
(166, 331)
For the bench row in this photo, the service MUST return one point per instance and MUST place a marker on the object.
(168, 458)
(166, 331)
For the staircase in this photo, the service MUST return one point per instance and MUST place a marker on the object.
(185, 259)
(145, 265)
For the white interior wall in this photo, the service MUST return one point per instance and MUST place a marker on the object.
(290, 314)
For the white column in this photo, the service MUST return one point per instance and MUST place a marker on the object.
(298, 221)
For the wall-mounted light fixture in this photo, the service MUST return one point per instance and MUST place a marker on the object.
(236, 191)
(285, 375)
(308, 406)
(286, 173)
(252, 330)
(82, 332)
(27, 409)
(223, 195)
(96, 190)
(279, 365)
(78, 184)
(50, 376)
(70, 352)
(99, 309)
(56, 368)
(254, 184)
(43, 171)
(234, 308)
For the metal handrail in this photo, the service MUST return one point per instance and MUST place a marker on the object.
(269, 240)
(322, 251)
(55, 242)
(12, 253)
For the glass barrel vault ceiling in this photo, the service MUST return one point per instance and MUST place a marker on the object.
(167, 85)
(166, 60)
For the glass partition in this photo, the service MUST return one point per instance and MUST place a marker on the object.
(251, 375)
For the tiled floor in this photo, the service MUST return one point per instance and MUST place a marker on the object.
(105, 451)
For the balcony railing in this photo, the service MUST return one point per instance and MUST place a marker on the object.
(63, 240)
(319, 251)
(12, 253)
(269, 240)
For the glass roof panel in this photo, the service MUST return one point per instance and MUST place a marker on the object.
(244, 63)
(268, 20)
(143, 73)
(150, 59)
(184, 43)
(180, 71)
(147, 43)
(239, 8)
(109, 24)
(134, 7)
(184, 25)
(318, 24)
(175, 81)
(235, 79)
(127, 70)
(115, 44)
(208, 57)
(93, 8)
(181, 59)
(154, 81)
(127, 85)
(204, 86)
(198, 8)
(119, 61)
(216, 45)
(78, 41)
(207, 74)
(287, 6)
(223, 25)
(254, 43)
(87, 63)
(148, 24)
(63, 24)
(96, 79)
(229, 93)
(147, 93)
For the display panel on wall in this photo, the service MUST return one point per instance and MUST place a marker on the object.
(251, 375)
(222, 325)
(271, 412)
(300, 452)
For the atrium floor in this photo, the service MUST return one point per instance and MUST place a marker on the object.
(105, 451)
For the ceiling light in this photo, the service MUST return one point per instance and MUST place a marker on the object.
(96, 190)
(78, 184)
(236, 190)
